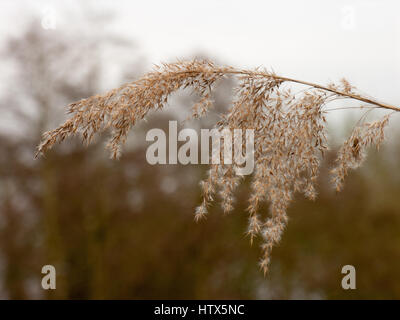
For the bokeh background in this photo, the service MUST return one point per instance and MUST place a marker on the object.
(124, 229)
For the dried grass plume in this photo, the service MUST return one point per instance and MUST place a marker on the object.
(289, 133)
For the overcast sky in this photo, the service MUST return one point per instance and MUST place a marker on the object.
(310, 39)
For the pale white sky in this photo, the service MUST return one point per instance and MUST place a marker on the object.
(309, 39)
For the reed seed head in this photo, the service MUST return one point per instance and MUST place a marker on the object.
(289, 134)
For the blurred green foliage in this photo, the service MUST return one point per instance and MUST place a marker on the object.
(124, 229)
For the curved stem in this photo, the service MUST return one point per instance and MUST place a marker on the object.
(349, 95)
(310, 84)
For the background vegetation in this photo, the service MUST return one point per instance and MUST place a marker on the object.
(125, 229)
